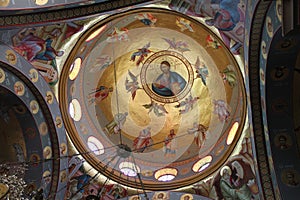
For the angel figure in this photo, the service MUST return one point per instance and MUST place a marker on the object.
(201, 70)
(229, 75)
(221, 108)
(188, 103)
(177, 45)
(158, 109)
(118, 35)
(142, 53)
(133, 85)
(147, 19)
(199, 132)
(99, 94)
(101, 63)
(184, 24)
(212, 42)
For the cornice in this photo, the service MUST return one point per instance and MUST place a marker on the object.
(254, 84)
(24, 17)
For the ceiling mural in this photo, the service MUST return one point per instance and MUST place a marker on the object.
(282, 140)
(152, 99)
(39, 45)
(24, 105)
(11, 4)
(31, 10)
(227, 16)
(144, 95)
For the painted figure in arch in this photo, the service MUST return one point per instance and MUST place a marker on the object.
(239, 181)
(143, 141)
(227, 16)
(40, 52)
(112, 192)
(168, 83)
(226, 186)
(236, 182)
(32, 47)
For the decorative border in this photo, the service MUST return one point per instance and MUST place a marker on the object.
(267, 191)
(64, 14)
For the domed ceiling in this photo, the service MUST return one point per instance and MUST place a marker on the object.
(152, 96)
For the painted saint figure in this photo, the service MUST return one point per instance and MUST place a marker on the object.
(33, 47)
(226, 186)
(141, 142)
(199, 132)
(222, 109)
(168, 83)
(116, 124)
(170, 144)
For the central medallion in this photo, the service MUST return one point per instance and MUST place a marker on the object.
(167, 76)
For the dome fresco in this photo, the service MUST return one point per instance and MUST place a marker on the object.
(152, 96)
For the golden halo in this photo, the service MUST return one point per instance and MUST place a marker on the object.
(2, 75)
(11, 57)
(225, 168)
(186, 195)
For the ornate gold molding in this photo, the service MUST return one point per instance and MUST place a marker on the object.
(30, 17)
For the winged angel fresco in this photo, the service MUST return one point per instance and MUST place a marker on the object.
(141, 53)
(184, 24)
(179, 45)
(147, 19)
(201, 70)
(133, 85)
